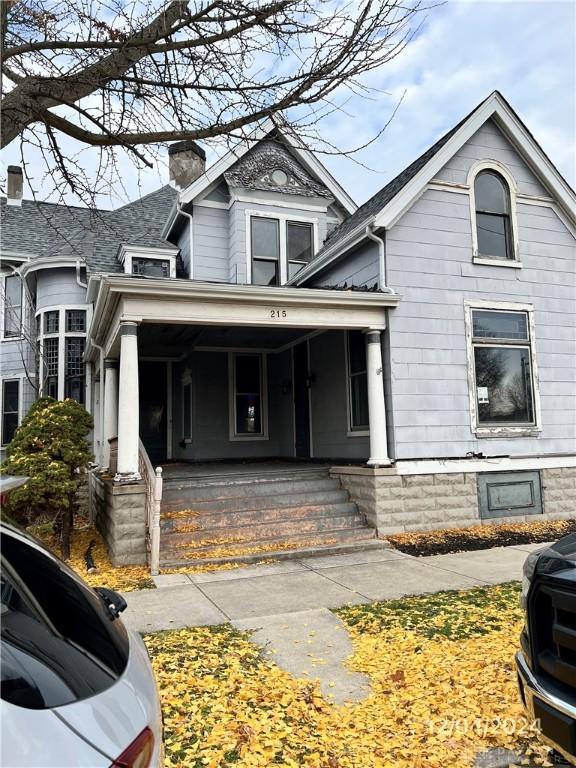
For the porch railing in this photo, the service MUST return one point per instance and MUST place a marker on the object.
(153, 481)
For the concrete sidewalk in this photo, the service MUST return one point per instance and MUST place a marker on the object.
(327, 581)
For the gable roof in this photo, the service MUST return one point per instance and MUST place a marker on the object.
(289, 139)
(384, 208)
(49, 230)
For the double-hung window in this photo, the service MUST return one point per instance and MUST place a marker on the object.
(265, 239)
(502, 362)
(10, 409)
(357, 382)
(12, 306)
(279, 248)
(61, 345)
(248, 396)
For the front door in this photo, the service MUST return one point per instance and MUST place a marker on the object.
(301, 401)
(153, 406)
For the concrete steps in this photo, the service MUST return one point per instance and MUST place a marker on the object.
(246, 516)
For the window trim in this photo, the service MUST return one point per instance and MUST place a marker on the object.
(233, 436)
(127, 253)
(19, 336)
(352, 431)
(62, 335)
(283, 219)
(504, 430)
(4, 380)
(500, 169)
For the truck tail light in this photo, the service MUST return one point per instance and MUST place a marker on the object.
(138, 754)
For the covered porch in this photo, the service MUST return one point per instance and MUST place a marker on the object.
(205, 373)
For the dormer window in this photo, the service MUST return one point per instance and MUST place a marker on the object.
(280, 247)
(493, 225)
(148, 262)
(151, 267)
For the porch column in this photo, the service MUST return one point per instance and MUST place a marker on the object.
(110, 407)
(128, 405)
(376, 405)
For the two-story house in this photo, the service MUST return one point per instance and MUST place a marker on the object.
(414, 355)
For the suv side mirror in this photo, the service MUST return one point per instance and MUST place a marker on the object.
(114, 602)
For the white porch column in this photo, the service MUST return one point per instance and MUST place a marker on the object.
(110, 408)
(128, 405)
(376, 405)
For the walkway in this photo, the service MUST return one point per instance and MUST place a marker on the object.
(327, 581)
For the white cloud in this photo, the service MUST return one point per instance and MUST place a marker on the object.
(463, 51)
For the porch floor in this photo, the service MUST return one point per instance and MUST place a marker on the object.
(214, 512)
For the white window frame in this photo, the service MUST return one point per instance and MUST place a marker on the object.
(504, 430)
(263, 435)
(20, 336)
(154, 254)
(499, 168)
(62, 335)
(6, 379)
(351, 430)
(283, 220)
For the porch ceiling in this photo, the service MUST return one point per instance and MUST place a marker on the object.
(168, 340)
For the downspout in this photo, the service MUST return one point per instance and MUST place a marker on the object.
(382, 282)
(78, 279)
(180, 210)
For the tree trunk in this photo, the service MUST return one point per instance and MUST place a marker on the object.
(66, 531)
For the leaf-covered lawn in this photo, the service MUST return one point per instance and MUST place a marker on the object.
(123, 578)
(443, 690)
(445, 540)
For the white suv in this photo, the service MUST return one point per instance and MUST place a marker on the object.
(77, 687)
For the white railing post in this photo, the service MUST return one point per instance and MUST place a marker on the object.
(155, 524)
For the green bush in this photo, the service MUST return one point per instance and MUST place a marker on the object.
(51, 448)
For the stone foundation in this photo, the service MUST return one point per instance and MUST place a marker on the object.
(394, 503)
(120, 515)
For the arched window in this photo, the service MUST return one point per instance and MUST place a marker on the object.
(493, 216)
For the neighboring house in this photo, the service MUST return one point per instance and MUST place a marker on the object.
(421, 345)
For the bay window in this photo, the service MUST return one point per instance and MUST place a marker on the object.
(10, 409)
(61, 344)
(502, 360)
(12, 306)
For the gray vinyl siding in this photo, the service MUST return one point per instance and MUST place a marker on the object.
(429, 262)
(329, 401)
(183, 243)
(57, 288)
(210, 244)
(489, 143)
(359, 268)
(210, 412)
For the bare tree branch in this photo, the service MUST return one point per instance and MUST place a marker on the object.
(118, 74)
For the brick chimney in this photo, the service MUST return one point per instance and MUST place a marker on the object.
(186, 161)
(15, 185)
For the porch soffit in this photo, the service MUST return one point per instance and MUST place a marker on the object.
(175, 302)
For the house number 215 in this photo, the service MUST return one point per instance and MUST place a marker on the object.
(278, 313)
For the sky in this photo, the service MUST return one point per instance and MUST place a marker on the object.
(464, 50)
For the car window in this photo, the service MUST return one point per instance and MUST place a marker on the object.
(59, 643)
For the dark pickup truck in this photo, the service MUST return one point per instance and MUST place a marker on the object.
(547, 662)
